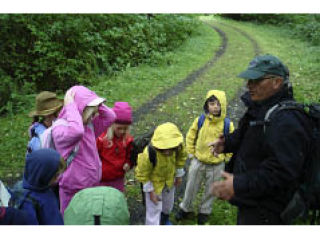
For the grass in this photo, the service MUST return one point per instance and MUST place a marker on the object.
(140, 84)
(130, 85)
(183, 108)
(302, 58)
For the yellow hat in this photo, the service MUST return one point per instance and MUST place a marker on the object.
(167, 136)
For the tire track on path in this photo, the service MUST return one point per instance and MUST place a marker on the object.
(236, 108)
(152, 105)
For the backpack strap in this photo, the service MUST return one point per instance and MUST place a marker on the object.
(284, 105)
(201, 121)
(226, 126)
(97, 220)
(152, 155)
(34, 202)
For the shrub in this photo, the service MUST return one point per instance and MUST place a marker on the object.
(304, 26)
(56, 51)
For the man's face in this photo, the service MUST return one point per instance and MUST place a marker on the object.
(261, 89)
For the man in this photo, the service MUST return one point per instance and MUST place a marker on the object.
(268, 159)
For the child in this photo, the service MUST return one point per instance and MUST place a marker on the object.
(114, 147)
(87, 118)
(42, 168)
(48, 107)
(204, 166)
(159, 178)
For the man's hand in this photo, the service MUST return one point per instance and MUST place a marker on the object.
(223, 189)
(217, 146)
(178, 181)
(154, 197)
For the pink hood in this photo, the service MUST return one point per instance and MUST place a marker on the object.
(82, 97)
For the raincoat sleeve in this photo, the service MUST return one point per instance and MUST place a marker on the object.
(66, 137)
(191, 137)
(181, 158)
(104, 120)
(144, 167)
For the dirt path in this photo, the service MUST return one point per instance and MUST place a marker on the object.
(235, 110)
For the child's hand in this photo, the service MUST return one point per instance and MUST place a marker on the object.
(217, 146)
(178, 181)
(69, 97)
(154, 198)
(126, 167)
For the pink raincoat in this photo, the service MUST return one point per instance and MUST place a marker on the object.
(85, 169)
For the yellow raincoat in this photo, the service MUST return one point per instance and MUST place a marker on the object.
(209, 132)
(166, 136)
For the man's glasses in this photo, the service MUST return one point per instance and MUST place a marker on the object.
(250, 81)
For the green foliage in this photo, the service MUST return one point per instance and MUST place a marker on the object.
(129, 85)
(56, 51)
(304, 26)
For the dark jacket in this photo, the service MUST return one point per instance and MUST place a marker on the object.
(41, 167)
(268, 165)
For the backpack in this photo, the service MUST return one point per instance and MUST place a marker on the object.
(20, 195)
(35, 131)
(202, 118)
(307, 197)
(46, 139)
(97, 206)
(138, 145)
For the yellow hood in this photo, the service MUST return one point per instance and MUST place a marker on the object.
(221, 96)
(167, 136)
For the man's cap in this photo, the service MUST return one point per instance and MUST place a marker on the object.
(263, 65)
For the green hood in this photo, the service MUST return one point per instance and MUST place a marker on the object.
(106, 202)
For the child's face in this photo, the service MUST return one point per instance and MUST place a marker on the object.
(214, 108)
(120, 129)
(166, 152)
(49, 119)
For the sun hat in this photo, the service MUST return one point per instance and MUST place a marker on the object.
(47, 103)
